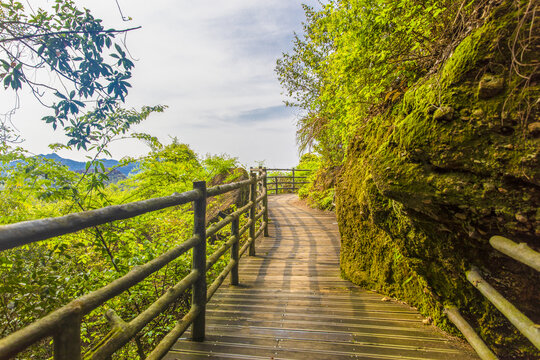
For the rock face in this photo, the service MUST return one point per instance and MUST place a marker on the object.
(217, 205)
(429, 182)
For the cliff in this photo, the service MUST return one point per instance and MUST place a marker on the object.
(457, 160)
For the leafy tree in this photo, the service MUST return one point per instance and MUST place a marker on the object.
(40, 277)
(356, 57)
(90, 68)
(219, 164)
(172, 166)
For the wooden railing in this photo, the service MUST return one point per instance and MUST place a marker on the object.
(286, 180)
(522, 253)
(64, 324)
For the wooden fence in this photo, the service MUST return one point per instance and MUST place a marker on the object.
(522, 253)
(286, 180)
(64, 324)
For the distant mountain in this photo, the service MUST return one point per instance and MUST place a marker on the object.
(80, 166)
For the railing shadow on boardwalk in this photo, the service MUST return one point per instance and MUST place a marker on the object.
(292, 304)
(286, 300)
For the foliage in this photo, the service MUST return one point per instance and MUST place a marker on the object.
(81, 54)
(173, 166)
(310, 162)
(436, 168)
(356, 57)
(41, 277)
(91, 68)
(24, 179)
(318, 193)
(219, 164)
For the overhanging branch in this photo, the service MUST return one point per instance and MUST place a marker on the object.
(32, 36)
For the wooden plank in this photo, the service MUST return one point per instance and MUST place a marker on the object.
(292, 304)
(323, 316)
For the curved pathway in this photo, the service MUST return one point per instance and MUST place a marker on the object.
(292, 304)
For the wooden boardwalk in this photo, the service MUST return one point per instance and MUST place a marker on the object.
(292, 304)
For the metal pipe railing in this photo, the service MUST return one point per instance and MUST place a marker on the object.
(64, 323)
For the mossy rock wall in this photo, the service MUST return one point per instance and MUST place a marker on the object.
(426, 184)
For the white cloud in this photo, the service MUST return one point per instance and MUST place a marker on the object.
(212, 63)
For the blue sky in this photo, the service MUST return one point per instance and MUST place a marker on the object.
(212, 63)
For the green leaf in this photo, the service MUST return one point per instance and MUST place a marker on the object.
(60, 95)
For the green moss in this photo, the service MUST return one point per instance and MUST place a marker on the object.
(319, 190)
(427, 183)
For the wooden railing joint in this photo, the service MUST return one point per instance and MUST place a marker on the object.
(64, 323)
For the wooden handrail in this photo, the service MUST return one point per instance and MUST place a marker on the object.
(268, 169)
(476, 342)
(288, 177)
(27, 232)
(277, 181)
(525, 255)
(64, 323)
(525, 325)
(520, 252)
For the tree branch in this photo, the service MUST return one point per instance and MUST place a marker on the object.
(31, 36)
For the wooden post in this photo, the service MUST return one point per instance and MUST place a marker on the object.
(252, 212)
(293, 182)
(261, 184)
(235, 227)
(67, 342)
(276, 184)
(265, 203)
(198, 298)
